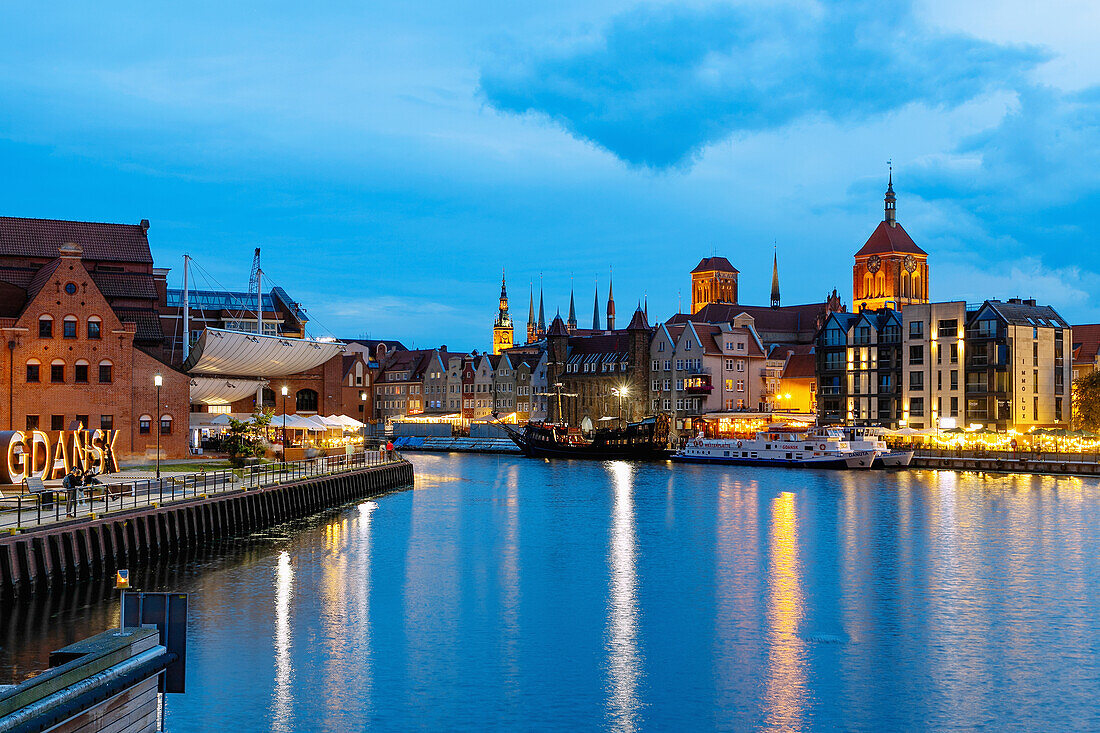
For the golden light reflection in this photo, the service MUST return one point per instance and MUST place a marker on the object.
(283, 694)
(785, 689)
(509, 576)
(624, 663)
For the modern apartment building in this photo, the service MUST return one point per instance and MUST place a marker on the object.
(859, 369)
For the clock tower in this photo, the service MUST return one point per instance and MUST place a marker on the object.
(502, 327)
(890, 270)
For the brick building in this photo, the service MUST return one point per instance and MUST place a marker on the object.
(78, 315)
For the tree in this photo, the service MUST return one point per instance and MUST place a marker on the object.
(245, 438)
(1086, 402)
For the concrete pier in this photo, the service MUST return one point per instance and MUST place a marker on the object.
(59, 553)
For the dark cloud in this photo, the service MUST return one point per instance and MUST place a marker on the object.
(659, 84)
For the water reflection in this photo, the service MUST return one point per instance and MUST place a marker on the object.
(282, 703)
(785, 689)
(622, 628)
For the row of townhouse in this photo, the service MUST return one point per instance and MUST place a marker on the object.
(437, 382)
(998, 364)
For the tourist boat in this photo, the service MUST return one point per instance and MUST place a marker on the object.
(813, 448)
(646, 439)
(874, 438)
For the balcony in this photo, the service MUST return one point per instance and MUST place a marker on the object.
(698, 384)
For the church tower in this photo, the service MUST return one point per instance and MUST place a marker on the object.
(610, 303)
(890, 270)
(775, 280)
(596, 308)
(532, 327)
(502, 328)
(571, 324)
(714, 280)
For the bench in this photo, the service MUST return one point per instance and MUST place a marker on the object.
(34, 492)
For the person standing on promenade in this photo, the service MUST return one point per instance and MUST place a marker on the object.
(71, 484)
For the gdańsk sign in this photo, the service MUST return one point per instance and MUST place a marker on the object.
(34, 453)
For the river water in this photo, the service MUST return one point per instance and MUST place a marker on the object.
(507, 593)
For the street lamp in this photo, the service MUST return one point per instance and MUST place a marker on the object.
(284, 390)
(619, 392)
(157, 382)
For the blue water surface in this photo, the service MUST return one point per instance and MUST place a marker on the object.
(504, 593)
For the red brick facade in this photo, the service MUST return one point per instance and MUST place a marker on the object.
(84, 369)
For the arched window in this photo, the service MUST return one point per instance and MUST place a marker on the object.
(45, 327)
(917, 294)
(880, 283)
(80, 371)
(33, 368)
(145, 423)
(269, 398)
(95, 327)
(165, 424)
(305, 401)
(57, 371)
(905, 284)
(106, 372)
(68, 327)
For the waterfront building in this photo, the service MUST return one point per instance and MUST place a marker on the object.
(78, 312)
(600, 370)
(859, 368)
(339, 386)
(701, 368)
(890, 270)
(436, 383)
(782, 325)
(502, 327)
(714, 280)
(1019, 358)
(1086, 349)
(399, 383)
(503, 399)
(797, 380)
(933, 386)
(374, 351)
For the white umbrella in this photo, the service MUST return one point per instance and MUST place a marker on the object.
(220, 420)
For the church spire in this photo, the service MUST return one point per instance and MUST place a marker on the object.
(532, 333)
(610, 301)
(891, 200)
(596, 308)
(542, 312)
(775, 279)
(572, 322)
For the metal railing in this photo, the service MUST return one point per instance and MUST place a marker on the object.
(53, 504)
(1017, 455)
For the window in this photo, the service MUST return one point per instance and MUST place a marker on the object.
(1035, 353)
(916, 329)
(834, 337)
(32, 370)
(954, 407)
(916, 380)
(80, 372)
(145, 422)
(304, 401)
(863, 335)
(45, 327)
(834, 360)
(83, 420)
(740, 365)
(165, 424)
(68, 327)
(954, 379)
(57, 422)
(32, 422)
(107, 422)
(916, 407)
(57, 371)
(105, 372)
(916, 354)
(948, 329)
(740, 385)
(955, 353)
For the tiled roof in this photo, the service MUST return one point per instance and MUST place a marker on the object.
(19, 276)
(790, 318)
(1026, 314)
(125, 284)
(1086, 342)
(888, 238)
(41, 278)
(148, 323)
(800, 366)
(42, 237)
(709, 264)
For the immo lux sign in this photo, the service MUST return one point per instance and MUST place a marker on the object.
(35, 453)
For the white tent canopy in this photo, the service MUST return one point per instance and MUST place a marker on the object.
(223, 390)
(348, 423)
(221, 352)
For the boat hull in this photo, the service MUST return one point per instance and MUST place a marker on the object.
(894, 459)
(854, 461)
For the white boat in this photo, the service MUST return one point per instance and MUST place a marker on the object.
(874, 438)
(814, 448)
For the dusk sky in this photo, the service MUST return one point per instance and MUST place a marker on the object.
(391, 158)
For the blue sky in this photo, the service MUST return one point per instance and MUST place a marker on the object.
(391, 158)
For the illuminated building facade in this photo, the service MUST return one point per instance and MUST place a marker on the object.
(890, 270)
(502, 327)
(859, 368)
(714, 280)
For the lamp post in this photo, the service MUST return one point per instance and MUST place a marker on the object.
(284, 391)
(157, 382)
(619, 392)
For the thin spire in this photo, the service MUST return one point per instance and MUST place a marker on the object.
(645, 304)
(610, 299)
(596, 308)
(775, 275)
(542, 316)
(572, 323)
(891, 199)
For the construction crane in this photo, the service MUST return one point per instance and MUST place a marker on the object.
(254, 278)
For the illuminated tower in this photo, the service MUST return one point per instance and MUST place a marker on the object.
(502, 329)
(714, 280)
(890, 270)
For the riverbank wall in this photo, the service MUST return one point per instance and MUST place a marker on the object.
(1053, 465)
(70, 551)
